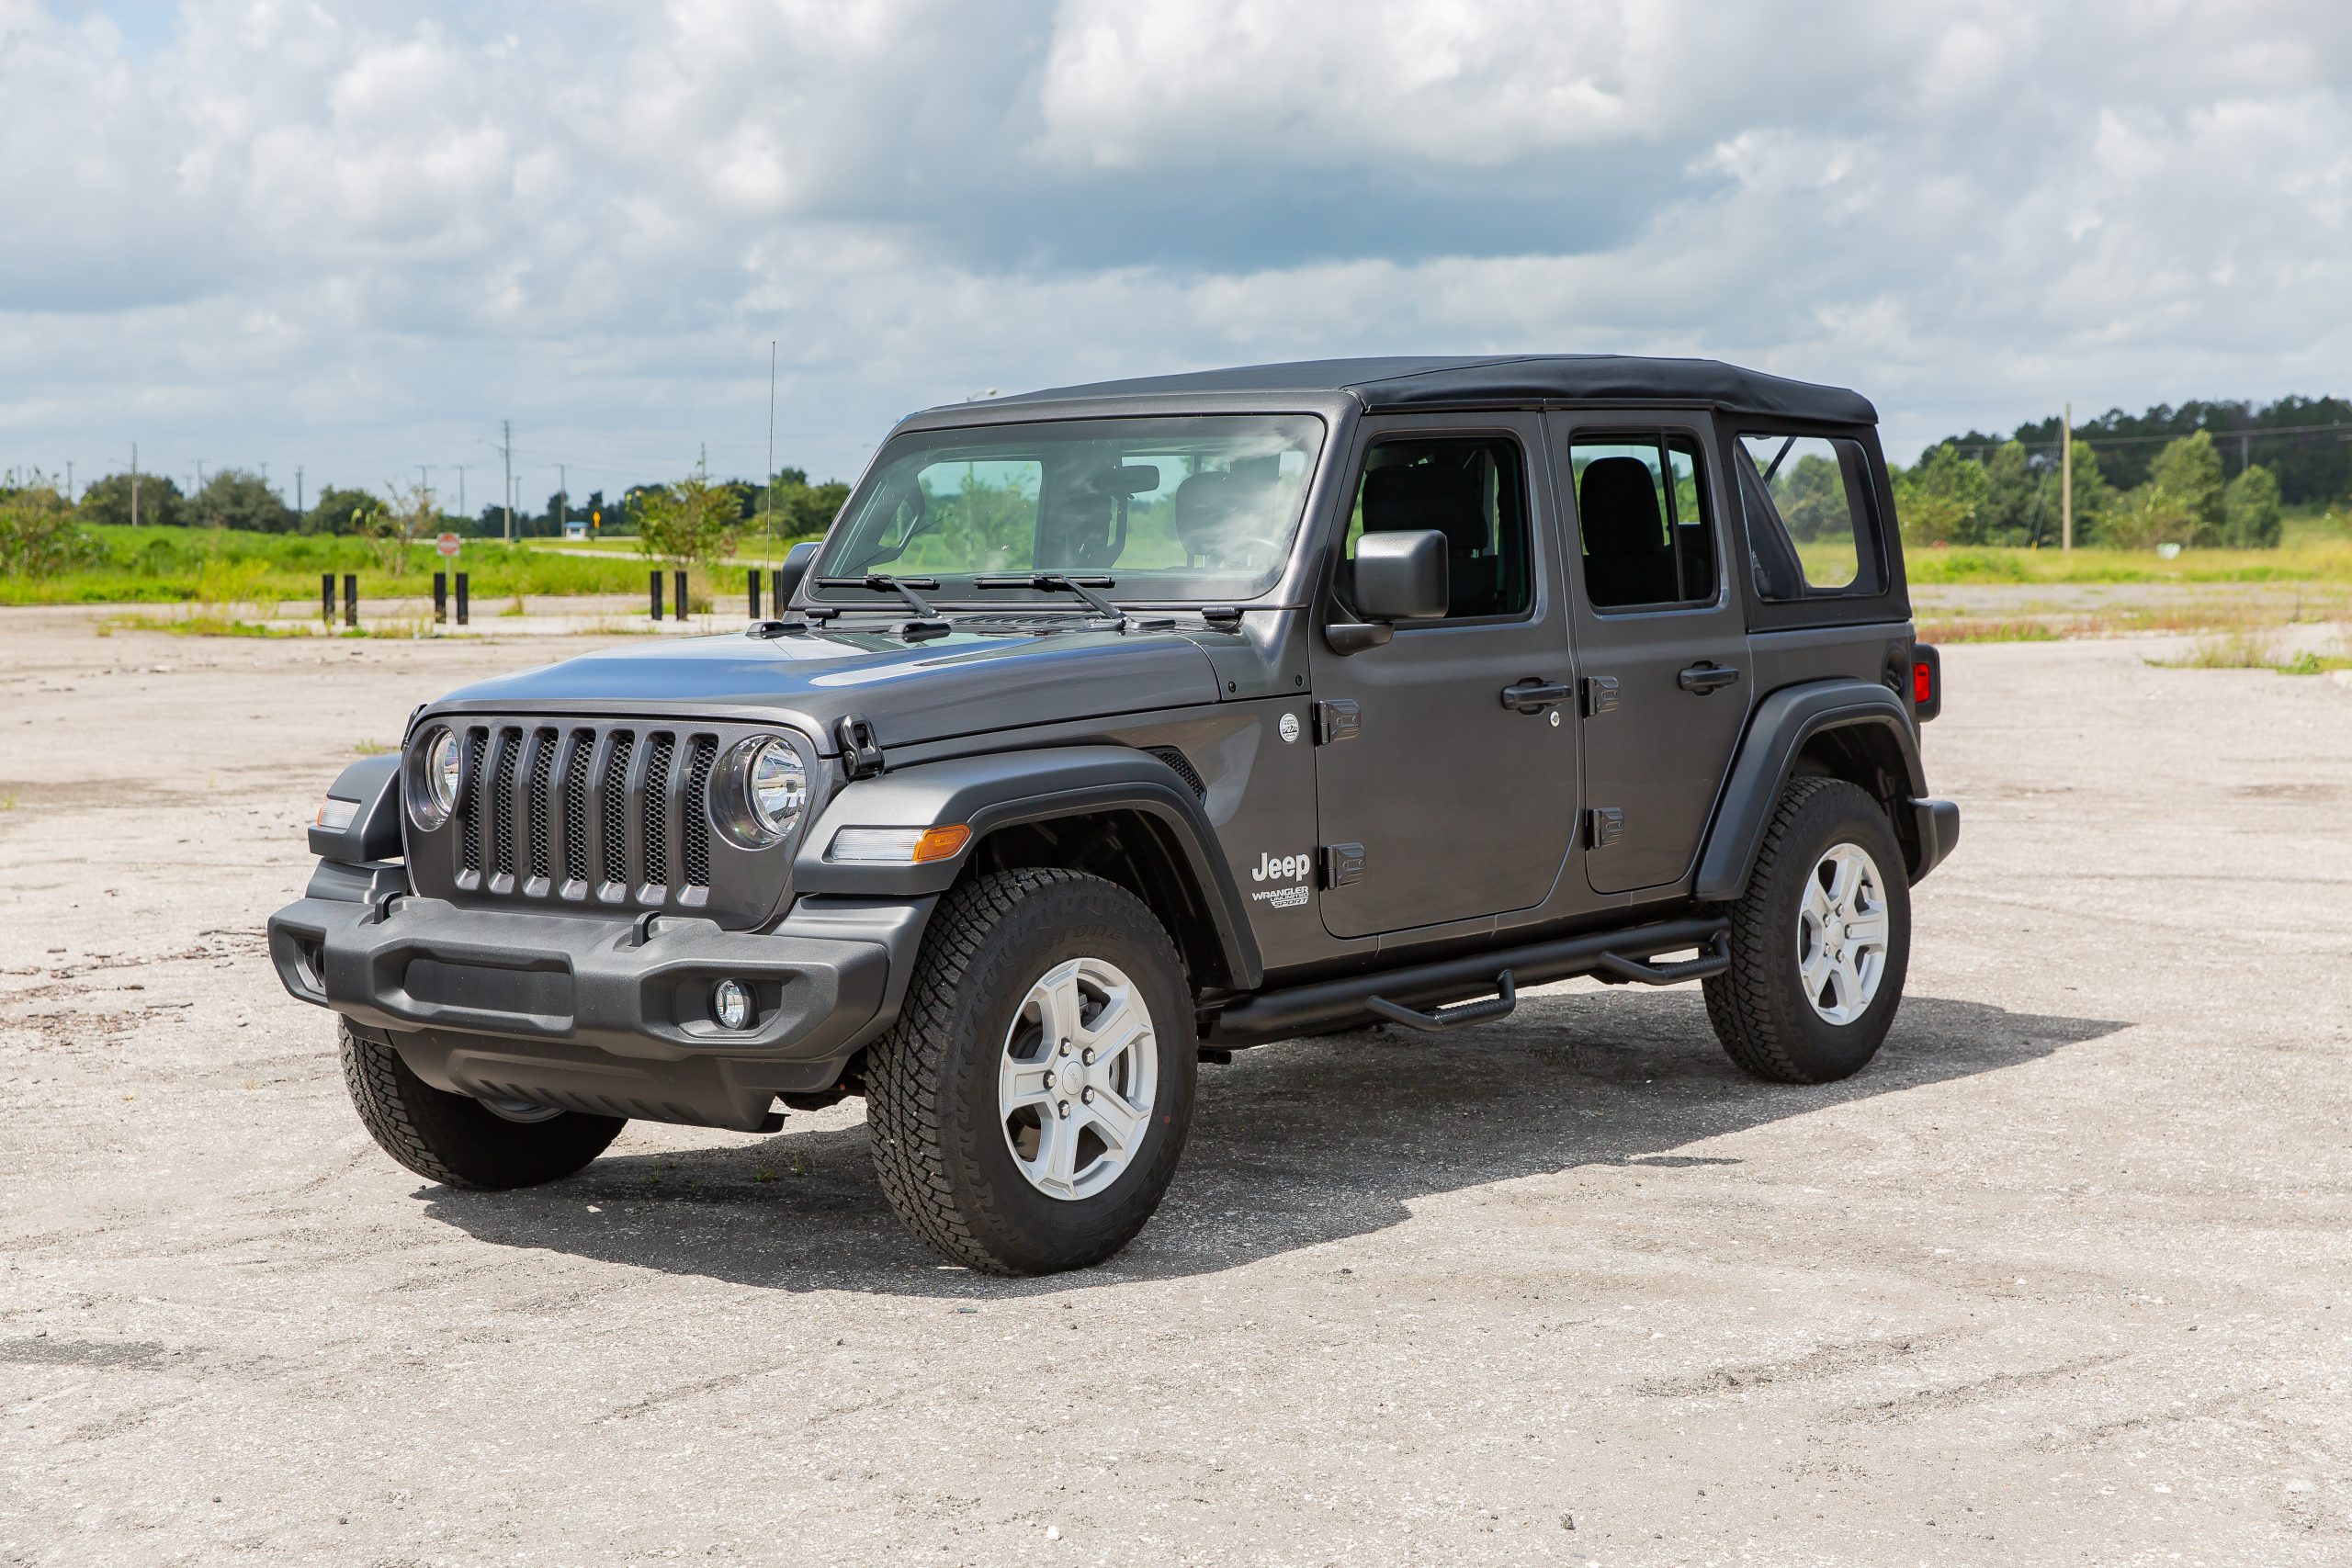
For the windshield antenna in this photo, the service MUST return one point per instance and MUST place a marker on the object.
(768, 490)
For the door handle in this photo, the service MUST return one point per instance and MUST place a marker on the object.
(1534, 696)
(1705, 678)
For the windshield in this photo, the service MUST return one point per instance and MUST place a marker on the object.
(1191, 509)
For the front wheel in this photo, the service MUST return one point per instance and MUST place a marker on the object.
(457, 1140)
(1028, 1108)
(1819, 941)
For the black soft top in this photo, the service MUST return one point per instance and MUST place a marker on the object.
(1491, 380)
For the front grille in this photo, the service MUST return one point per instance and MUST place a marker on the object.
(607, 815)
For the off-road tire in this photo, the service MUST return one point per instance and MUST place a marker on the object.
(1758, 1006)
(932, 1101)
(454, 1138)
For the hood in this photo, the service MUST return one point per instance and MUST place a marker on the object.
(962, 684)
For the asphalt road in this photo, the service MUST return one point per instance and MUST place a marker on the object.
(2063, 1278)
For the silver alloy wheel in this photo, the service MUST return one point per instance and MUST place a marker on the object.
(1076, 1081)
(525, 1111)
(1842, 929)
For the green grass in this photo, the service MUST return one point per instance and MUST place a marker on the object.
(2313, 555)
(168, 566)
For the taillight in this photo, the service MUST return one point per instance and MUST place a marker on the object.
(1927, 681)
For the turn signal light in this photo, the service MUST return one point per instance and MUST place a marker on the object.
(1923, 683)
(898, 846)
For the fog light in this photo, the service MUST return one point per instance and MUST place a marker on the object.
(731, 1004)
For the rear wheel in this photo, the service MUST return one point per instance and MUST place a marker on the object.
(457, 1140)
(1028, 1108)
(1819, 941)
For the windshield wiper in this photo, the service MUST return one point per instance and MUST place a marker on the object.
(1082, 586)
(926, 623)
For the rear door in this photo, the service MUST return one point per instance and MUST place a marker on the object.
(1661, 638)
(1437, 798)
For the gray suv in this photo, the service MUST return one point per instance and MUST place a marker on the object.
(1113, 728)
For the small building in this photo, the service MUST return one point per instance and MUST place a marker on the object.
(574, 529)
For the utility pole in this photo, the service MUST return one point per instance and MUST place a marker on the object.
(425, 478)
(506, 450)
(563, 489)
(297, 487)
(2066, 475)
(199, 473)
(461, 488)
(701, 464)
(69, 480)
(134, 484)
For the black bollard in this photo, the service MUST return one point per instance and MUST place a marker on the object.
(461, 598)
(440, 598)
(678, 580)
(350, 598)
(753, 575)
(657, 592)
(326, 597)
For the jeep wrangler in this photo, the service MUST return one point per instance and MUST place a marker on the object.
(1113, 728)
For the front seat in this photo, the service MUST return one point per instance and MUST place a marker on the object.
(1434, 495)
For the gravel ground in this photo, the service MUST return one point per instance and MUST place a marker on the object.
(2054, 1281)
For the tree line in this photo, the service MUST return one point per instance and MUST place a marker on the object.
(2206, 474)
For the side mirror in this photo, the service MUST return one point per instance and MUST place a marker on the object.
(1399, 576)
(788, 577)
(1402, 576)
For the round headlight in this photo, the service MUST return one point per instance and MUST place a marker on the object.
(440, 763)
(762, 789)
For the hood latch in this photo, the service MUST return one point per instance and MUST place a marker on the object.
(861, 750)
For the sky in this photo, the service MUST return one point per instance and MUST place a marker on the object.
(354, 237)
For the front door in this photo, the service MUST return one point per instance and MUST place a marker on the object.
(1661, 639)
(1437, 797)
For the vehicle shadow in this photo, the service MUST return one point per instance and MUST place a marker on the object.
(1292, 1145)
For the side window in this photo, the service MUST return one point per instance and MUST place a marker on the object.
(1471, 489)
(1642, 531)
(1808, 516)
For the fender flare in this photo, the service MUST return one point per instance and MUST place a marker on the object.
(1002, 789)
(374, 832)
(1777, 731)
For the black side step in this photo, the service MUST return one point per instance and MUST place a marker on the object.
(1321, 1004)
(1444, 1018)
(1610, 967)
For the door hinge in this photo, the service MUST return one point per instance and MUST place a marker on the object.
(861, 750)
(1338, 719)
(1599, 695)
(1343, 864)
(1604, 825)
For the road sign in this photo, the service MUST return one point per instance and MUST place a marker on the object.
(447, 544)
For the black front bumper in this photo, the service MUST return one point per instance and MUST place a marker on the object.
(589, 1014)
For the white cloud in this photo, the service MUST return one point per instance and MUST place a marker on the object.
(356, 236)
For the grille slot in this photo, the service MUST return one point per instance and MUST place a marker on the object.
(469, 808)
(575, 805)
(542, 765)
(657, 807)
(695, 849)
(617, 807)
(502, 799)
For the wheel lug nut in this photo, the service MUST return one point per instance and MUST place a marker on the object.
(1087, 1057)
(1065, 1050)
(1061, 1108)
(1086, 1094)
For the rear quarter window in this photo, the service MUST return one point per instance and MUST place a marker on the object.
(1811, 530)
